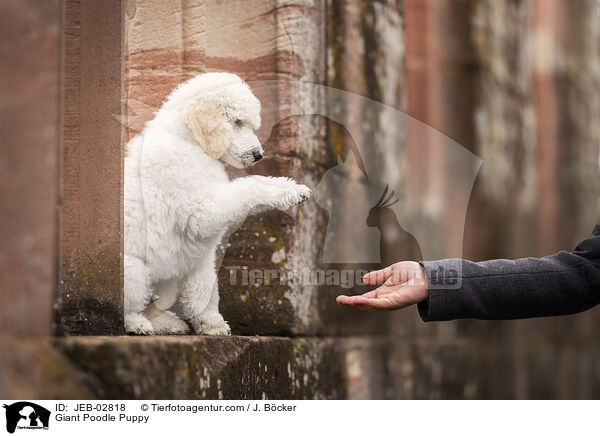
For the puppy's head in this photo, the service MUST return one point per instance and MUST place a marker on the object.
(222, 114)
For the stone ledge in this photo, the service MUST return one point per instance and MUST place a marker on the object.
(254, 367)
(32, 368)
(237, 367)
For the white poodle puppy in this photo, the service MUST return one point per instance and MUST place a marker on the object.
(179, 202)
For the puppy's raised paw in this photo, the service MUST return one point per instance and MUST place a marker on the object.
(304, 192)
(292, 195)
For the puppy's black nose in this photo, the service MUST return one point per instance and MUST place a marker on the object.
(257, 156)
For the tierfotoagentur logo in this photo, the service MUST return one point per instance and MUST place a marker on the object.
(25, 415)
(345, 278)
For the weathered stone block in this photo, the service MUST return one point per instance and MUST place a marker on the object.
(28, 160)
(90, 179)
(35, 369)
(289, 248)
(230, 368)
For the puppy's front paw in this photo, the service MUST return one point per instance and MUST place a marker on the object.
(138, 324)
(212, 327)
(167, 323)
(304, 192)
(293, 194)
(217, 329)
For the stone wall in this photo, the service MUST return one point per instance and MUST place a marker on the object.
(28, 160)
(500, 77)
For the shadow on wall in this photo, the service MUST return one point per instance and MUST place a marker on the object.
(360, 229)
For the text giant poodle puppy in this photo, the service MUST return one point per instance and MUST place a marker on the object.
(179, 201)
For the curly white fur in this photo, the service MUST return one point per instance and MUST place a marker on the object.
(179, 202)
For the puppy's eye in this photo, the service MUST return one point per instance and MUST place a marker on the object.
(239, 122)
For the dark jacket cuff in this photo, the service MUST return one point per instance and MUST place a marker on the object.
(444, 279)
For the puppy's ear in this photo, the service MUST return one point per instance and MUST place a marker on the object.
(209, 125)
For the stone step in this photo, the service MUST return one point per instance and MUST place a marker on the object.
(236, 367)
(280, 368)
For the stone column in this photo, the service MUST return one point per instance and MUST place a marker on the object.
(91, 163)
(30, 136)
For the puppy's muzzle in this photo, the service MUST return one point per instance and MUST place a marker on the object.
(257, 156)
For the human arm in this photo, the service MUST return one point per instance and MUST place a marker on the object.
(561, 284)
(565, 283)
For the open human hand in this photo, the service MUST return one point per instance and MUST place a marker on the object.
(404, 284)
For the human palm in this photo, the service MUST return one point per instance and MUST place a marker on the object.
(402, 285)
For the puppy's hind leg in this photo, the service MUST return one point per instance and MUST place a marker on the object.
(200, 302)
(137, 296)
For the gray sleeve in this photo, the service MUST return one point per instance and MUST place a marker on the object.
(565, 283)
